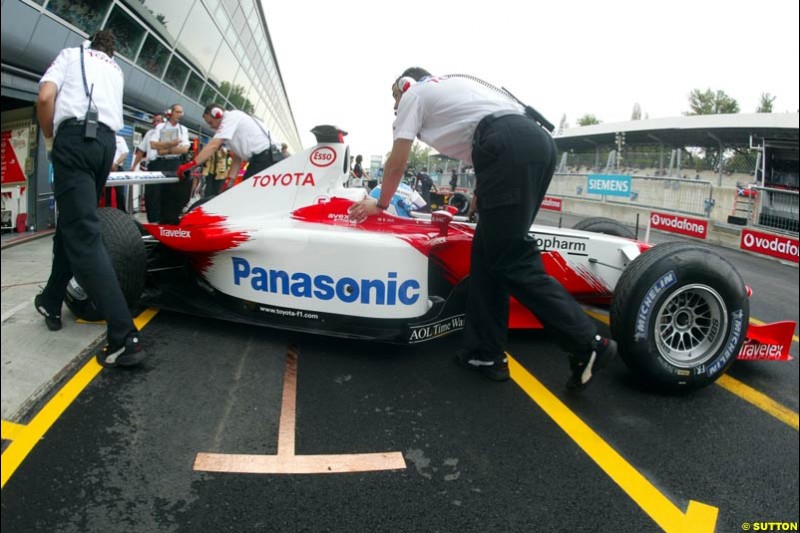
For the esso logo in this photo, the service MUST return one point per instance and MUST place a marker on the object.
(323, 156)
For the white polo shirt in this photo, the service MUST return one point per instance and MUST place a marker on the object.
(444, 112)
(103, 77)
(122, 148)
(150, 153)
(243, 135)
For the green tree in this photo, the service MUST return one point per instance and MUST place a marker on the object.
(418, 157)
(588, 119)
(709, 102)
(766, 103)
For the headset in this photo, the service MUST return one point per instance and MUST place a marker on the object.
(404, 83)
(216, 112)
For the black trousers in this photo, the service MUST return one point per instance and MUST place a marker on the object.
(172, 197)
(257, 163)
(80, 171)
(213, 186)
(514, 162)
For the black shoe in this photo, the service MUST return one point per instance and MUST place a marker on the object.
(51, 318)
(603, 351)
(129, 354)
(496, 369)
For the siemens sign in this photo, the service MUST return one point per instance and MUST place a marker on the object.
(608, 184)
(390, 291)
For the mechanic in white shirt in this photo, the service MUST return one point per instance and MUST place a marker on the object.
(247, 138)
(80, 100)
(514, 158)
(115, 196)
(144, 151)
(171, 141)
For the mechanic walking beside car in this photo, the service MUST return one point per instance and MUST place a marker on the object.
(514, 158)
(80, 101)
(247, 138)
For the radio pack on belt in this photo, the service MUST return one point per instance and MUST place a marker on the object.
(91, 119)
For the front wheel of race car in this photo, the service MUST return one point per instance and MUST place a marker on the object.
(680, 313)
(461, 202)
(607, 226)
(123, 241)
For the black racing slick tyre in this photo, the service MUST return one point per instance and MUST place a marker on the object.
(460, 201)
(123, 240)
(679, 315)
(604, 225)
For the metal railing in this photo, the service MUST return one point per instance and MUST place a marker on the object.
(694, 197)
(776, 209)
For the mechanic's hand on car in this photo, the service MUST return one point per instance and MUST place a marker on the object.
(359, 211)
(181, 173)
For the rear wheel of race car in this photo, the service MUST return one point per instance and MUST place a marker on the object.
(680, 312)
(460, 201)
(123, 241)
(604, 225)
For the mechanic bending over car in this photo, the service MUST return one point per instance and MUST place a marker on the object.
(247, 138)
(80, 100)
(514, 159)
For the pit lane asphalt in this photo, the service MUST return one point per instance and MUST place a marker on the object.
(479, 456)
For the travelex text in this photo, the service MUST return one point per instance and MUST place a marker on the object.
(377, 291)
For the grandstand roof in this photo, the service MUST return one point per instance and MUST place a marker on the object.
(695, 130)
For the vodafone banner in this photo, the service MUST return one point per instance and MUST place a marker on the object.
(770, 244)
(551, 203)
(691, 227)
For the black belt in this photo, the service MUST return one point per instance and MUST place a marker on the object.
(72, 122)
(488, 120)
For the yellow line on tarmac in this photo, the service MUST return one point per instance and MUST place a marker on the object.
(760, 400)
(745, 392)
(698, 518)
(26, 437)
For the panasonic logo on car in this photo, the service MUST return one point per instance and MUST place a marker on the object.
(389, 291)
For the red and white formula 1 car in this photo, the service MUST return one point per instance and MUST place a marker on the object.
(279, 250)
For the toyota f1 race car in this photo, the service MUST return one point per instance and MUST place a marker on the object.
(279, 250)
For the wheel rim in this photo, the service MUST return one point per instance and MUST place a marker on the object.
(690, 326)
(76, 291)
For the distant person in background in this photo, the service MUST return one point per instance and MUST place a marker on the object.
(171, 141)
(357, 173)
(453, 180)
(144, 152)
(215, 171)
(117, 194)
(285, 150)
(424, 186)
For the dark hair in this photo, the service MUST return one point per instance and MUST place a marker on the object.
(414, 72)
(359, 158)
(104, 41)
